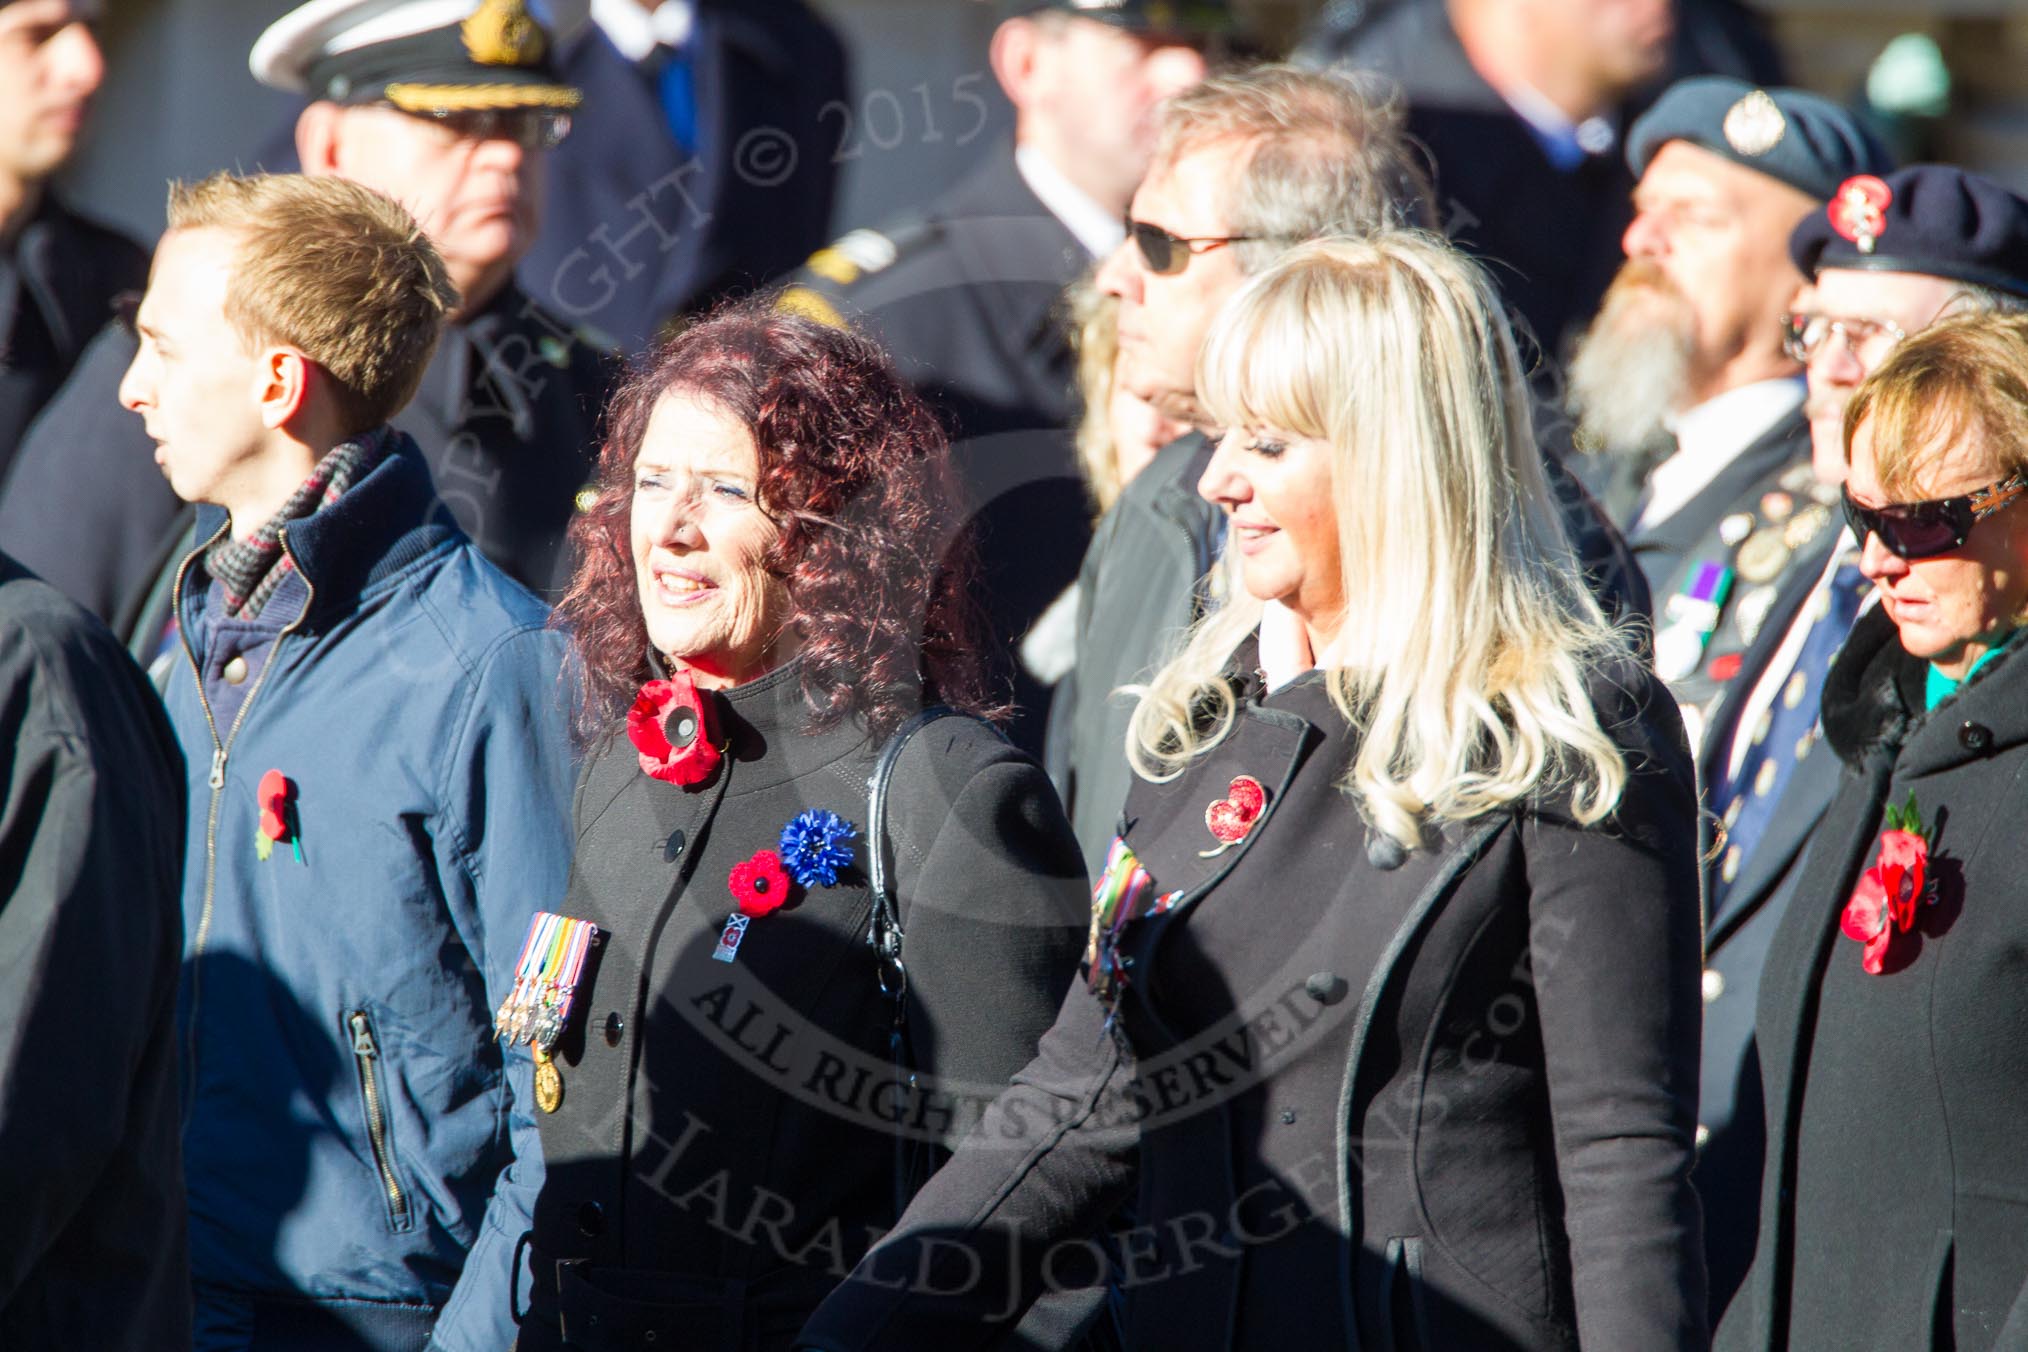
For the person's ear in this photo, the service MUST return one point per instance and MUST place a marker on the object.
(319, 129)
(1015, 55)
(285, 380)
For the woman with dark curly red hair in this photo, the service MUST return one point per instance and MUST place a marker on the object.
(739, 1089)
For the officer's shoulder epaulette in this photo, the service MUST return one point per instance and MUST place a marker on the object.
(828, 275)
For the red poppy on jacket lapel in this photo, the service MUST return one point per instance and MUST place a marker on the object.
(1885, 899)
(670, 725)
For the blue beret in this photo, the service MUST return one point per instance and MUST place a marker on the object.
(1935, 219)
(1805, 141)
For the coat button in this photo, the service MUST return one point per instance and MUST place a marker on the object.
(1714, 985)
(591, 1218)
(235, 673)
(1703, 1135)
(615, 1025)
(672, 848)
(1326, 988)
(1385, 852)
(1975, 736)
(1288, 1117)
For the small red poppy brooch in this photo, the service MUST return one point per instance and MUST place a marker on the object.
(670, 725)
(1859, 211)
(277, 798)
(1231, 817)
(1884, 902)
(811, 850)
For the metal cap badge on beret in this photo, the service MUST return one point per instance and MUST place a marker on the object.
(1799, 138)
(1181, 17)
(1933, 219)
(422, 55)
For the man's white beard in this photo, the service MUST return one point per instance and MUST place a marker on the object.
(1633, 367)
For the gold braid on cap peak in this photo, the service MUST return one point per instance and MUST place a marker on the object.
(503, 33)
(430, 98)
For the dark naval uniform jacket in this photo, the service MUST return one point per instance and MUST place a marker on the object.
(1716, 564)
(967, 298)
(507, 418)
(638, 229)
(1361, 1099)
(730, 1132)
(1894, 1208)
(1742, 915)
(58, 285)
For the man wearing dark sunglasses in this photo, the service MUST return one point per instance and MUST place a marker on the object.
(453, 112)
(1886, 259)
(1246, 165)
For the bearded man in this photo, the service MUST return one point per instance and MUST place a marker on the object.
(1683, 376)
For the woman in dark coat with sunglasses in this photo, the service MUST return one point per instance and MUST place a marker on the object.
(767, 590)
(1893, 1018)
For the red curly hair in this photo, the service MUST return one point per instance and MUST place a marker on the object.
(854, 470)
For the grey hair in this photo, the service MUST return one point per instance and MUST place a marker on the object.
(1973, 299)
(1330, 156)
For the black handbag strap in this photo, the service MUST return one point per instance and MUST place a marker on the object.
(884, 928)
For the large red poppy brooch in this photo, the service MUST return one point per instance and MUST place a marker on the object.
(1884, 903)
(670, 725)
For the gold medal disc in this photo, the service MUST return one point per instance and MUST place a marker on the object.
(548, 1083)
(1762, 557)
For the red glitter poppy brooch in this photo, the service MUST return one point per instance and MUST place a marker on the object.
(1884, 903)
(670, 725)
(1231, 817)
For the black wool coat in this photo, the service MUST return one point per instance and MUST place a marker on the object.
(94, 1251)
(726, 1146)
(1894, 1202)
(1362, 1100)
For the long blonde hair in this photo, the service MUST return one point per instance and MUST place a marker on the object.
(1469, 632)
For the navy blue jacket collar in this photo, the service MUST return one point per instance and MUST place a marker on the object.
(380, 526)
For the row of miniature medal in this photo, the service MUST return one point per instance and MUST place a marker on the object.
(1762, 547)
(546, 979)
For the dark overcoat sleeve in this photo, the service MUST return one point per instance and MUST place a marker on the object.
(1051, 1159)
(994, 901)
(93, 1250)
(1615, 952)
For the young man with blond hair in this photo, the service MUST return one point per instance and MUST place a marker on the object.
(378, 771)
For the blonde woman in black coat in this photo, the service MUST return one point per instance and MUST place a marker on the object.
(1893, 1017)
(1389, 1024)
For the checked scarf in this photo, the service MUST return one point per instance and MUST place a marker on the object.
(249, 570)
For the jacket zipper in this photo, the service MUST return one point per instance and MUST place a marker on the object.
(368, 1055)
(219, 751)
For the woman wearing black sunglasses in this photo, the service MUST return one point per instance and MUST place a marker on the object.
(1893, 1020)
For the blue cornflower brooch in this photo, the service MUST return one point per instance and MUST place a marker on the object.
(814, 847)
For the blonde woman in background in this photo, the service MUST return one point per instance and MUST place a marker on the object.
(1117, 435)
(1389, 1023)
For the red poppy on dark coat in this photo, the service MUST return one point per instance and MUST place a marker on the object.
(1884, 901)
(1232, 817)
(759, 884)
(670, 726)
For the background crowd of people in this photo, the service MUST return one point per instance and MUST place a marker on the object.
(1361, 699)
